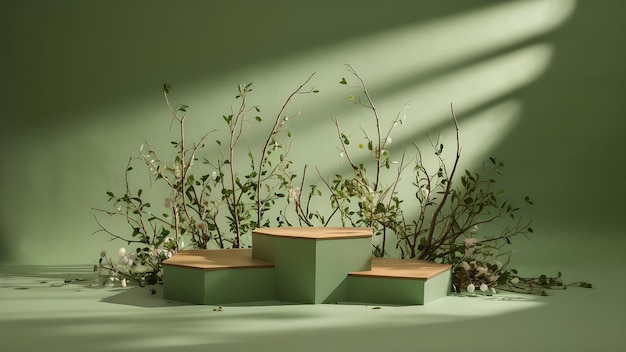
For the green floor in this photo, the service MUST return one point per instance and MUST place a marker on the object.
(39, 312)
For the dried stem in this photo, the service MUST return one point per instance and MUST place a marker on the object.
(427, 247)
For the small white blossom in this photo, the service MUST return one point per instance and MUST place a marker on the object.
(471, 288)
(474, 229)
(294, 192)
(493, 290)
(214, 175)
(388, 141)
(341, 156)
(123, 282)
(484, 287)
(515, 280)
(470, 242)
(465, 266)
(103, 254)
(481, 271)
(121, 252)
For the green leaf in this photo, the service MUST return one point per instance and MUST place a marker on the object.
(166, 88)
(183, 107)
(343, 81)
(258, 118)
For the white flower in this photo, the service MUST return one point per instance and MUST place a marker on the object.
(465, 266)
(493, 290)
(515, 280)
(123, 282)
(474, 229)
(470, 242)
(471, 288)
(341, 156)
(121, 252)
(484, 287)
(103, 254)
(388, 141)
(481, 270)
(294, 192)
(214, 175)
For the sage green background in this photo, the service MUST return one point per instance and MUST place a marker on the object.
(81, 90)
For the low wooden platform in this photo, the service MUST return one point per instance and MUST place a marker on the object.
(217, 259)
(403, 268)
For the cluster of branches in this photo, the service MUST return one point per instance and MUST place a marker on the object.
(223, 204)
(211, 207)
(451, 207)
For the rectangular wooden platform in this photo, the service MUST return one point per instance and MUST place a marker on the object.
(400, 281)
(403, 268)
(217, 259)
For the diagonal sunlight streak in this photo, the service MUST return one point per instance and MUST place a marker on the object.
(467, 89)
(472, 60)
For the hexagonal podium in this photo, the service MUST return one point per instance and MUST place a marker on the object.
(311, 263)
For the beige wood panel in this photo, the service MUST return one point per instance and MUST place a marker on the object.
(217, 259)
(318, 233)
(407, 268)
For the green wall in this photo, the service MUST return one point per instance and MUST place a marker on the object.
(539, 84)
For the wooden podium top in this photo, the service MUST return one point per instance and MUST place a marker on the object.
(317, 233)
(403, 268)
(216, 259)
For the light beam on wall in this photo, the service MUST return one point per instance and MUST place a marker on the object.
(473, 59)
